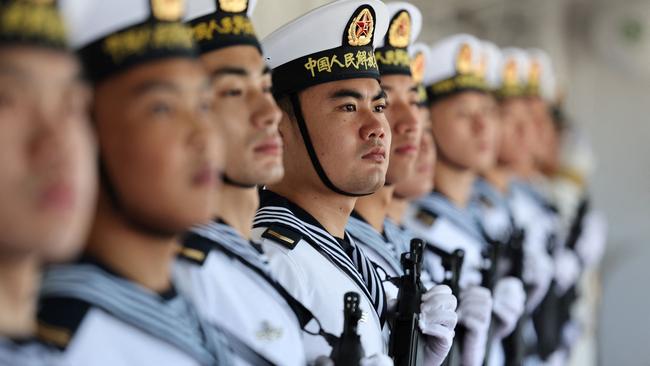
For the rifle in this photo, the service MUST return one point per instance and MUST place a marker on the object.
(406, 345)
(489, 279)
(452, 263)
(347, 350)
(555, 307)
(513, 346)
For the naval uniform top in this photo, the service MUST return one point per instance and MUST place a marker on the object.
(380, 250)
(318, 269)
(440, 223)
(28, 352)
(230, 283)
(535, 215)
(492, 211)
(97, 317)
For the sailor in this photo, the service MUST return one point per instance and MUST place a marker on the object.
(47, 185)
(420, 180)
(219, 269)
(336, 144)
(382, 240)
(463, 117)
(152, 111)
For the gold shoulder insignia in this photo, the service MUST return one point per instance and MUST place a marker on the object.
(399, 34)
(282, 235)
(361, 28)
(57, 336)
(193, 255)
(168, 10)
(426, 218)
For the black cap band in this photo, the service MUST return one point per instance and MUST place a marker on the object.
(218, 30)
(457, 84)
(340, 63)
(32, 23)
(144, 42)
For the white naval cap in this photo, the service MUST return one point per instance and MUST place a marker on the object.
(333, 42)
(420, 54)
(222, 23)
(541, 80)
(112, 35)
(403, 29)
(454, 66)
(512, 75)
(491, 62)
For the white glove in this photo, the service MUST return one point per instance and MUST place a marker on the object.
(591, 244)
(509, 303)
(474, 312)
(538, 274)
(376, 360)
(438, 319)
(567, 269)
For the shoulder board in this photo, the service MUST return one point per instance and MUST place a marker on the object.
(485, 201)
(195, 249)
(280, 234)
(426, 217)
(59, 318)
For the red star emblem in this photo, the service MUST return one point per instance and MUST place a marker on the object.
(363, 26)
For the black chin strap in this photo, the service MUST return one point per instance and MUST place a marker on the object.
(231, 182)
(116, 202)
(297, 111)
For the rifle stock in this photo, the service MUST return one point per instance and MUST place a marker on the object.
(406, 344)
(347, 350)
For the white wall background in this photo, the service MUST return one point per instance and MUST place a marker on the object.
(607, 79)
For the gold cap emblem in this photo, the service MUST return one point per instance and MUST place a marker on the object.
(399, 34)
(534, 74)
(233, 6)
(417, 67)
(464, 64)
(361, 29)
(510, 73)
(168, 10)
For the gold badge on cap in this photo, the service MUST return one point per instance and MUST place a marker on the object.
(534, 74)
(417, 67)
(233, 6)
(361, 29)
(510, 73)
(464, 64)
(168, 10)
(399, 34)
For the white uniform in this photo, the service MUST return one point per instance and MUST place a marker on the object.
(230, 284)
(28, 353)
(439, 223)
(312, 265)
(99, 318)
(380, 251)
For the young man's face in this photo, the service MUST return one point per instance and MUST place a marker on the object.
(402, 114)
(248, 114)
(420, 181)
(350, 134)
(464, 128)
(545, 137)
(158, 143)
(47, 154)
(516, 132)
